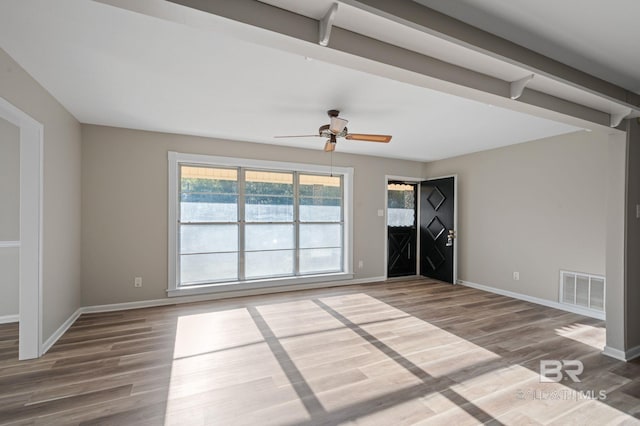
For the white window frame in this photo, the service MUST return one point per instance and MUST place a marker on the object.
(176, 159)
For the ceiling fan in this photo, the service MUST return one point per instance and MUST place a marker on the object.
(338, 129)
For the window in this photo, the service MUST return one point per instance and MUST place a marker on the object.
(252, 223)
(401, 204)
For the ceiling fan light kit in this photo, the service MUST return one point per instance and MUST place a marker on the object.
(337, 128)
(337, 125)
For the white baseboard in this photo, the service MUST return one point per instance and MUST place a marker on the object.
(60, 331)
(625, 356)
(188, 299)
(6, 319)
(614, 353)
(536, 300)
(609, 351)
(632, 353)
(223, 295)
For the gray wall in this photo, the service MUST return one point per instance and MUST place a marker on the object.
(9, 181)
(61, 227)
(9, 215)
(124, 205)
(9, 276)
(534, 208)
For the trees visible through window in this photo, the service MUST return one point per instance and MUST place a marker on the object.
(241, 224)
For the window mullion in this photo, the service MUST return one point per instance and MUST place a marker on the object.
(241, 224)
(344, 237)
(296, 223)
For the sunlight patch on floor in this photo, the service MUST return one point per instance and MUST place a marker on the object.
(585, 334)
(223, 369)
(212, 331)
(300, 361)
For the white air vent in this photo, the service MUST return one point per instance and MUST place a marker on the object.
(584, 291)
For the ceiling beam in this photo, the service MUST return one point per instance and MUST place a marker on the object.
(430, 21)
(325, 25)
(248, 19)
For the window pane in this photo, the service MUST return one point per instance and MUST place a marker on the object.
(268, 209)
(269, 196)
(268, 237)
(319, 236)
(268, 183)
(401, 204)
(320, 198)
(203, 268)
(262, 264)
(400, 217)
(197, 211)
(320, 186)
(312, 210)
(208, 194)
(320, 260)
(208, 238)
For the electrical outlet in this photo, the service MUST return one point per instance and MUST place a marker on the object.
(516, 276)
(137, 282)
(360, 264)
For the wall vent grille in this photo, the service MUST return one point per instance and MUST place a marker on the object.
(586, 291)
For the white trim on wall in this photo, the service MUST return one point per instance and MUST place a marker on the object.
(544, 302)
(632, 353)
(61, 330)
(9, 244)
(31, 183)
(189, 299)
(7, 319)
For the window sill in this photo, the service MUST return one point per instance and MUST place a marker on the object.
(258, 284)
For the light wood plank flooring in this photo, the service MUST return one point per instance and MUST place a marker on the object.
(396, 353)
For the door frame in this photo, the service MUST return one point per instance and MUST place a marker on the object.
(30, 243)
(455, 220)
(390, 178)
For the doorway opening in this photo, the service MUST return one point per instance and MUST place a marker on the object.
(402, 229)
(29, 242)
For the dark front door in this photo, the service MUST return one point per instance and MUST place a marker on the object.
(437, 235)
(401, 229)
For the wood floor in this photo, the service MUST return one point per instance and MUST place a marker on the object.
(397, 353)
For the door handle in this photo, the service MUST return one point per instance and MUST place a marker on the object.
(450, 237)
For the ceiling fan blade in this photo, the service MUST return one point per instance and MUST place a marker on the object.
(298, 136)
(368, 138)
(329, 146)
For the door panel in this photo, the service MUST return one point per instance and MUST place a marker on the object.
(401, 229)
(402, 252)
(437, 208)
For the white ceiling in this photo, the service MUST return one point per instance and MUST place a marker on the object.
(598, 37)
(112, 67)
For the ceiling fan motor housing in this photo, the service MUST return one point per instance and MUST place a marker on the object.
(324, 131)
